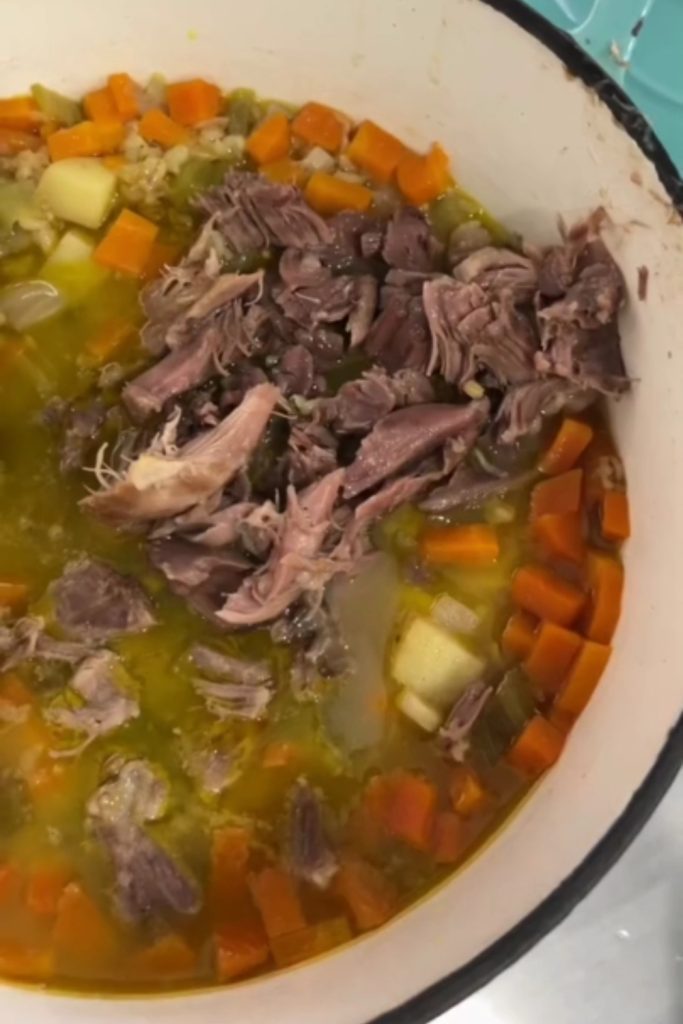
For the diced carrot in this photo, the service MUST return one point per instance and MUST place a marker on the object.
(87, 138)
(270, 140)
(569, 444)
(44, 888)
(411, 809)
(109, 341)
(329, 195)
(280, 754)
(13, 594)
(10, 884)
(369, 895)
(285, 172)
(99, 106)
(448, 843)
(583, 678)
(128, 244)
(277, 900)
(163, 254)
(474, 545)
(26, 962)
(557, 495)
(518, 636)
(156, 126)
(228, 878)
(468, 794)
(240, 949)
(192, 102)
(15, 140)
(14, 691)
(615, 520)
(295, 947)
(547, 595)
(551, 656)
(368, 823)
(606, 583)
(561, 536)
(125, 95)
(81, 930)
(537, 747)
(168, 958)
(376, 151)
(319, 125)
(423, 178)
(20, 112)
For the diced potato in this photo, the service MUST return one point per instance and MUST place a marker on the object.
(80, 190)
(73, 247)
(434, 663)
(413, 707)
(71, 267)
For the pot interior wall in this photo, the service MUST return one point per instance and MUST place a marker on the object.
(531, 142)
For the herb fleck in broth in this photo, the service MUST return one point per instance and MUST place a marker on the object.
(310, 546)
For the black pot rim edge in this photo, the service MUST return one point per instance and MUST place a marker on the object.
(446, 993)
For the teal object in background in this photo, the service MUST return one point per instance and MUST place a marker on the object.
(639, 43)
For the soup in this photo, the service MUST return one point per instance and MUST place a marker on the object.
(312, 517)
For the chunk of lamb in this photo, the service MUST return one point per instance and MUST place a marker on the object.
(498, 271)
(295, 563)
(579, 329)
(525, 407)
(359, 404)
(235, 688)
(202, 577)
(408, 435)
(93, 602)
(309, 854)
(311, 453)
(26, 640)
(469, 332)
(252, 214)
(332, 301)
(106, 701)
(399, 336)
(193, 358)
(409, 243)
(470, 488)
(157, 485)
(149, 882)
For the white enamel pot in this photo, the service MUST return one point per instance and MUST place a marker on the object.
(532, 139)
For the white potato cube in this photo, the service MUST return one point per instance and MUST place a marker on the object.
(413, 707)
(434, 663)
(80, 190)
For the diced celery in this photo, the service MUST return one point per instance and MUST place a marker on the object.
(401, 528)
(80, 190)
(71, 267)
(455, 208)
(423, 714)
(434, 663)
(415, 599)
(515, 699)
(17, 204)
(244, 110)
(55, 106)
(195, 176)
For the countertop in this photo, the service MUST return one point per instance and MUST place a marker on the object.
(618, 958)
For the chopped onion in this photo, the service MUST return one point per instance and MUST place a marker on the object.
(318, 160)
(29, 303)
(454, 615)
